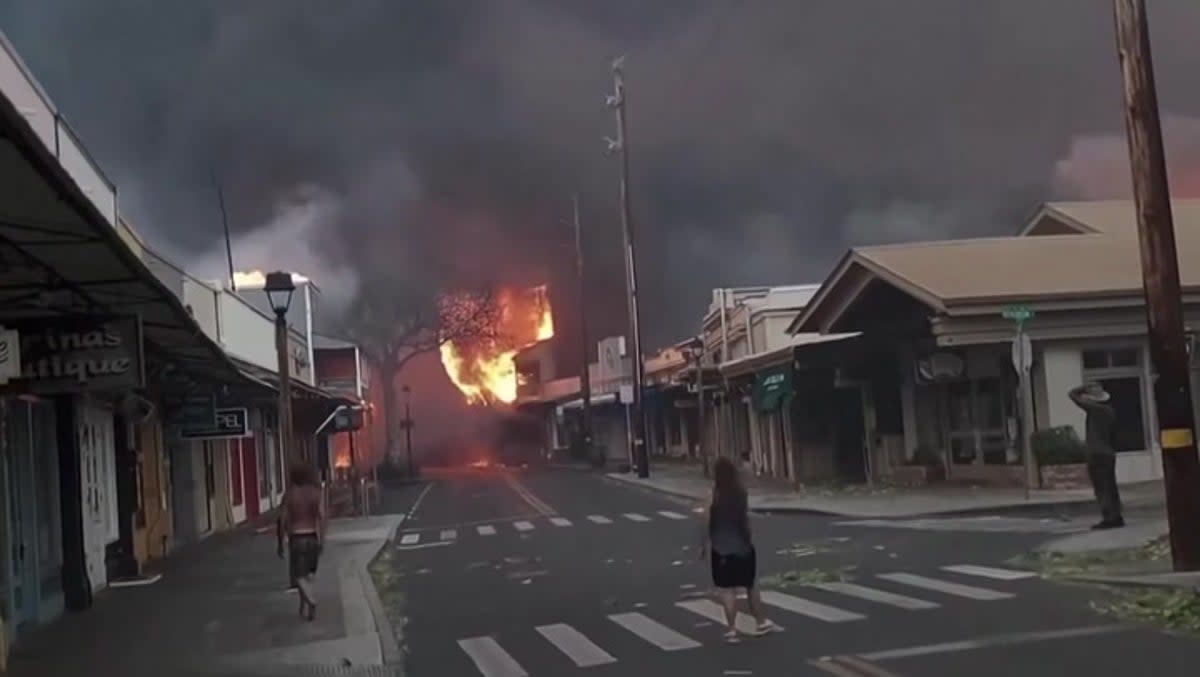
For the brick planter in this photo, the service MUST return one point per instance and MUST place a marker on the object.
(1073, 476)
(916, 475)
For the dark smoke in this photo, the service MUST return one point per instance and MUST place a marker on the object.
(438, 142)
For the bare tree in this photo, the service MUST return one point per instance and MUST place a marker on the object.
(393, 328)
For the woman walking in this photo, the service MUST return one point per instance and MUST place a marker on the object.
(731, 551)
(302, 519)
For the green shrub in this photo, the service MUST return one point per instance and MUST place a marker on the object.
(1058, 446)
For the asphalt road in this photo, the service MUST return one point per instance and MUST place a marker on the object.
(512, 573)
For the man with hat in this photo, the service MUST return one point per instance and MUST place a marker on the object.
(1101, 451)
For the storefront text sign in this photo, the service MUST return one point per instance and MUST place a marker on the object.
(10, 355)
(81, 353)
(230, 422)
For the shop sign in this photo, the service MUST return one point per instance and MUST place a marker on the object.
(10, 355)
(347, 419)
(81, 353)
(191, 411)
(230, 422)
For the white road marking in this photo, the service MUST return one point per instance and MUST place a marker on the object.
(486, 530)
(654, 632)
(523, 526)
(672, 515)
(829, 665)
(578, 648)
(713, 612)
(804, 607)
(989, 572)
(425, 546)
(599, 519)
(956, 589)
(993, 641)
(490, 658)
(409, 539)
(449, 534)
(873, 595)
(634, 517)
(560, 521)
(866, 669)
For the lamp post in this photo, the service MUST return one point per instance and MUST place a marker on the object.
(694, 350)
(279, 288)
(408, 424)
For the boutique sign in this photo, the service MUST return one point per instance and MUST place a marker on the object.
(81, 353)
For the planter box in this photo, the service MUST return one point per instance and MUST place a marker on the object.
(1073, 476)
(1005, 476)
(915, 475)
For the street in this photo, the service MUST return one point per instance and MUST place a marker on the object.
(553, 572)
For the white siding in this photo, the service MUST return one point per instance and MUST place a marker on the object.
(1062, 370)
(23, 91)
(202, 299)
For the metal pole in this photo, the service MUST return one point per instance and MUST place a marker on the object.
(1160, 277)
(585, 376)
(1024, 384)
(408, 424)
(700, 447)
(640, 455)
(285, 389)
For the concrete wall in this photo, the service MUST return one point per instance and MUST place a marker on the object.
(249, 334)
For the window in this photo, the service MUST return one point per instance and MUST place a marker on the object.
(1119, 371)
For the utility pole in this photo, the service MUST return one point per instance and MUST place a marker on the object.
(621, 144)
(585, 376)
(225, 225)
(1160, 278)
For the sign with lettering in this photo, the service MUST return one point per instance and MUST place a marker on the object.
(230, 422)
(196, 410)
(81, 353)
(10, 355)
(346, 420)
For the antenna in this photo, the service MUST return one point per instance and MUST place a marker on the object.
(225, 225)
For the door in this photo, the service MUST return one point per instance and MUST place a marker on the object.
(849, 435)
(22, 517)
(95, 433)
(250, 476)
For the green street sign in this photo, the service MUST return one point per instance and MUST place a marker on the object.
(1017, 313)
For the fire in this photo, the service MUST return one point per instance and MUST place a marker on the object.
(484, 369)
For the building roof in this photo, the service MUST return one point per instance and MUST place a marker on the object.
(1100, 260)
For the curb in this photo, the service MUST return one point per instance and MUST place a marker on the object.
(1073, 505)
(389, 644)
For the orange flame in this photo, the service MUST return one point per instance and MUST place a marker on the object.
(485, 371)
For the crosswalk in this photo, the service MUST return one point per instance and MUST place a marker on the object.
(414, 538)
(668, 629)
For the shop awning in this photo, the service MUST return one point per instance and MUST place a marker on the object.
(773, 387)
(61, 254)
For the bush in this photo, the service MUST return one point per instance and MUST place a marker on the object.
(1058, 446)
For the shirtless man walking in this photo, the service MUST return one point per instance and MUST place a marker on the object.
(302, 521)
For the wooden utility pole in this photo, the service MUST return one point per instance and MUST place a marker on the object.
(1160, 275)
(585, 376)
(640, 453)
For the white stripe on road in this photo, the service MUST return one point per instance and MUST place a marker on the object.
(577, 647)
(654, 632)
(833, 668)
(490, 659)
(873, 595)
(560, 521)
(989, 572)
(712, 611)
(634, 517)
(486, 530)
(993, 641)
(523, 526)
(804, 607)
(449, 534)
(669, 514)
(956, 589)
(409, 539)
(599, 519)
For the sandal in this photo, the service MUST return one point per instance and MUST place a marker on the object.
(766, 628)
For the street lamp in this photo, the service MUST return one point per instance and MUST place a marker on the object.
(408, 425)
(279, 287)
(694, 350)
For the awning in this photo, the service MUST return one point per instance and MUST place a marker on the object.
(61, 255)
(797, 346)
(773, 387)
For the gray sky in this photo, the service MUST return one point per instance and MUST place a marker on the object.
(376, 142)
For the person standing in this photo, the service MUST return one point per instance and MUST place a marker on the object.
(1101, 451)
(727, 542)
(302, 521)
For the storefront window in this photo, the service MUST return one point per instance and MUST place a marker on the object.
(1120, 372)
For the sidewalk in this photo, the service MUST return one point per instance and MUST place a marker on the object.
(863, 502)
(221, 608)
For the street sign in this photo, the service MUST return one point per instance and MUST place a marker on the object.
(1017, 313)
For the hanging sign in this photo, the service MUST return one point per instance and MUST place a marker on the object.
(80, 354)
(230, 422)
(10, 355)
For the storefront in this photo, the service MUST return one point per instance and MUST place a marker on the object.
(771, 420)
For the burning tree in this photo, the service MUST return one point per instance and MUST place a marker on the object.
(392, 329)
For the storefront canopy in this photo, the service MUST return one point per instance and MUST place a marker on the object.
(61, 255)
(773, 387)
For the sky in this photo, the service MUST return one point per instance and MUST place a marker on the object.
(437, 143)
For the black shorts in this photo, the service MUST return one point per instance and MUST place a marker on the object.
(734, 571)
(304, 553)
